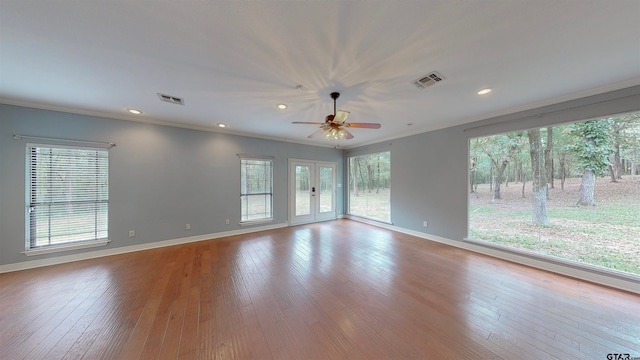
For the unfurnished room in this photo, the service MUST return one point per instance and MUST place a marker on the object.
(319, 179)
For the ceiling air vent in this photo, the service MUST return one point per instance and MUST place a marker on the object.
(428, 80)
(171, 99)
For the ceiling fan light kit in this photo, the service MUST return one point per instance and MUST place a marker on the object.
(335, 124)
(335, 134)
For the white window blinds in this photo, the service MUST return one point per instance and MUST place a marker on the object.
(68, 195)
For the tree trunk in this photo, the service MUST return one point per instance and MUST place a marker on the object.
(491, 177)
(617, 164)
(472, 175)
(563, 174)
(497, 179)
(355, 178)
(539, 209)
(523, 185)
(548, 155)
(587, 188)
(360, 171)
(612, 173)
(369, 177)
(521, 173)
(378, 177)
(615, 160)
(506, 176)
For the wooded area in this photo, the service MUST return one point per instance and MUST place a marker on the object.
(369, 185)
(370, 172)
(583, 149)
(570, 191)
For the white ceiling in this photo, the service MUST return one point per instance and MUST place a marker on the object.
(234, 61)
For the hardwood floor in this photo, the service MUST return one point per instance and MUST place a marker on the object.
(334, 290)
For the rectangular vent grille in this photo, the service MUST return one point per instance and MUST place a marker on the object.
(428, 80)
(171, 99)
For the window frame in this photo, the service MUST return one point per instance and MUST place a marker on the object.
(244, 211)
(536, 255)
(100, 226)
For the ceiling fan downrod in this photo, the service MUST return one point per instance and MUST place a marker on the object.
(334, 96)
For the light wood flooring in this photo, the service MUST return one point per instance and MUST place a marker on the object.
(332, 290)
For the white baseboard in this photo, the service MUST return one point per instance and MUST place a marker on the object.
(127, 249)
(586, 273)
(575, 271)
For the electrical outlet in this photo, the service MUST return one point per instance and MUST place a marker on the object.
(132, 233)
(188, 226)
(425, 223)
(226, 221)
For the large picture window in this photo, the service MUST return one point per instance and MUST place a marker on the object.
(570, 191)
(68, 195)
(370, 186)
(256, 190)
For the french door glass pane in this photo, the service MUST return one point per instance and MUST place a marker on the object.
(326, 189)
(303, 190)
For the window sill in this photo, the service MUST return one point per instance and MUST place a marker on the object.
(66, 247)
(255, 222)
(369, 219)
(553, 260)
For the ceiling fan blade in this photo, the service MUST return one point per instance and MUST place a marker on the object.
(341, 117)
(316, 133)
(307, 122)
(364, 125)
(347, 134)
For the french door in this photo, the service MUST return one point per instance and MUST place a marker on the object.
(312, 191)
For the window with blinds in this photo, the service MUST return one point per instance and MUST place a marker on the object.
(256, 190)
(68, 195)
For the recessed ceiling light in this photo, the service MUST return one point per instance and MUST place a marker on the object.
(282, 106)
(134, 111)
(221, 125)
(484, 91)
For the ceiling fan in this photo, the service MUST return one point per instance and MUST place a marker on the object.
(335, 125)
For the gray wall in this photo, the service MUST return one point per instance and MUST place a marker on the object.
(161, 178)
(429, 171)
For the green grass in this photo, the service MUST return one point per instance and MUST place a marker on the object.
(612, 260)
(620, 215)
(603, 235)
(483, 210)
(587, 254)
(487, 210)
(371, 205)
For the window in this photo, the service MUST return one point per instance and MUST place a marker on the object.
(68, 195)
(370, 186)
(256, 190)
(569, 191)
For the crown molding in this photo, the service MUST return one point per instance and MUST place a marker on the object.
(150, 121)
